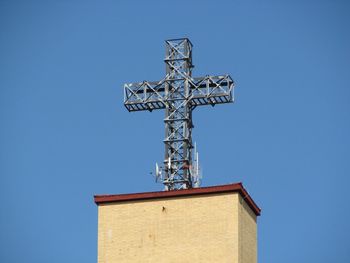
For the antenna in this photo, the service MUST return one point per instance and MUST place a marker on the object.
(178, 94)
(158, 173)
(196, 172)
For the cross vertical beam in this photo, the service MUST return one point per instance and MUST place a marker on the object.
(178, 125)
(179, 94)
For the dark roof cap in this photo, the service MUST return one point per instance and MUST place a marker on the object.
(237, 187)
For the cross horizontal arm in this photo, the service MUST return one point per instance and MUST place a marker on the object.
(208, 90)
(144, 96)
(211, 90)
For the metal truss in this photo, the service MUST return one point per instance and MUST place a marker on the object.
(178, 93)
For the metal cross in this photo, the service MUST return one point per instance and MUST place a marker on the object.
(179, 94)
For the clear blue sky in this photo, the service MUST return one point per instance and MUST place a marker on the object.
(65, 134)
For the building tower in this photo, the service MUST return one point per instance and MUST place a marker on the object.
(185, 223)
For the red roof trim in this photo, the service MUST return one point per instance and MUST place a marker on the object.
(238, 187)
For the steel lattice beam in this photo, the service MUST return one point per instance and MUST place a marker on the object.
(178, 93)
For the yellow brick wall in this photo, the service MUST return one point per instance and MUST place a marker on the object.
(247, 233)
(183, 229)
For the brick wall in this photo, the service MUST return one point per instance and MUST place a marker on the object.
(204, 228)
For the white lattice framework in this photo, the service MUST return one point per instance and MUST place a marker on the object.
(179, 94)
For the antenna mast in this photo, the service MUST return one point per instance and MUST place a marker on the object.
(179, 94)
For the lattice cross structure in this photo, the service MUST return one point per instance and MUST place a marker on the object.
(179, 94)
